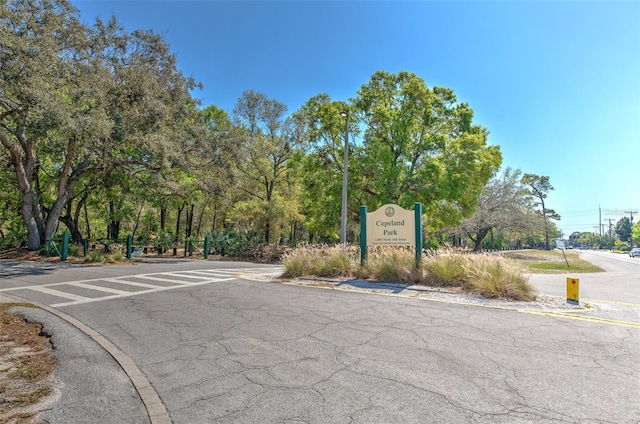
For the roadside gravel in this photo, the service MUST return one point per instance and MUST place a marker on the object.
(543, 303)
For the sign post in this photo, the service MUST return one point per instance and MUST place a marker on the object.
(560, 245)
(363, 234)
(573, 291)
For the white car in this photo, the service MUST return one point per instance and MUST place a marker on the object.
(634, 252)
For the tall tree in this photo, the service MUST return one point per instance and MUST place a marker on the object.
(320, 168)
(265, 151)
(623, 229)
(635, 234)
(539, 186)
(76, 101)
(421, 145)
(503, 206)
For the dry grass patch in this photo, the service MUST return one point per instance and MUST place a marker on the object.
(26, 364)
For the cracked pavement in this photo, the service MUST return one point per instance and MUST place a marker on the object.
(246, 352)
(240, 351)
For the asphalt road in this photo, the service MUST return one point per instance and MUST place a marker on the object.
(615, 294)
(221, 349)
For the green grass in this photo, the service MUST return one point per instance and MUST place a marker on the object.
(575, 265)
(551, 262)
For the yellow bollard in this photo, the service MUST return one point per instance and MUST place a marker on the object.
(573, 291)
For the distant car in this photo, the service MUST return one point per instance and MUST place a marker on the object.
(634, 252)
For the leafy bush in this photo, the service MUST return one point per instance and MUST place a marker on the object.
(13, 240)
(94, 256)
(232, 243)
(116, 256)
(163, 242)
(75, 250)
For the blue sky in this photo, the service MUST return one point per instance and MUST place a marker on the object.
(557, 83)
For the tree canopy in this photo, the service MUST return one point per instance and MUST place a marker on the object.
(100, 132)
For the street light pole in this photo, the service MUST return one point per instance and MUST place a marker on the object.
(345, 172)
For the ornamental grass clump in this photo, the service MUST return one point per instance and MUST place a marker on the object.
(445, 269)
(297, 263)
(493, 277)
(396, 265)
(319, 261)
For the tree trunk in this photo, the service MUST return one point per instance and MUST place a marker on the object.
(163, 217)
(135, 227)
(113, 229)
(72, 221)
(189, 224)
(480, 236)
(178, 220)
(86, 219)
(546, 227)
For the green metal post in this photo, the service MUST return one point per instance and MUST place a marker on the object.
(363, 234)
(129, 245)
(65, 246)
(418, 214)
(206, 247)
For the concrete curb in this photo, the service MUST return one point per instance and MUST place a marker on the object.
(156, 410)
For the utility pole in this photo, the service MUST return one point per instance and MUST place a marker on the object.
(610, 237)
(600, 220)
(631, 212)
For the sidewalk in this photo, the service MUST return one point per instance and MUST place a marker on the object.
(89, 385)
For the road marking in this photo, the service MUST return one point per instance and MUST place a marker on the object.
(99, 288)
(129, 283)
(178, 281)
(615, 302)
(584, 318)
(569, 314)
(56, 293)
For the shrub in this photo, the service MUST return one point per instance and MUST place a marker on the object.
(117, 256)
(494, 277)
(13, 239)
(163, 242)
(94, 256)
(75, 250)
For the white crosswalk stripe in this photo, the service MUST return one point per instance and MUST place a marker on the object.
(176, 279)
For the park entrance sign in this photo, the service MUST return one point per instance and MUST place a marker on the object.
(391, 225)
